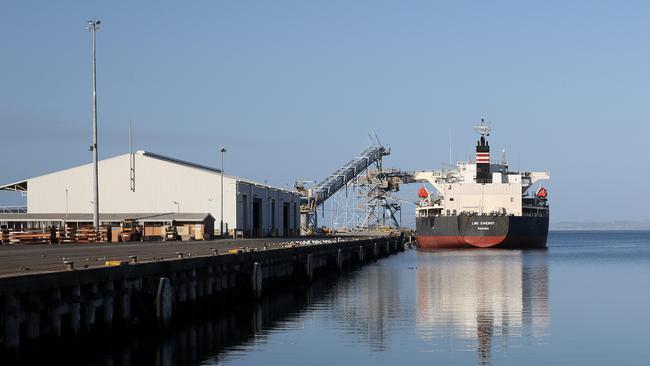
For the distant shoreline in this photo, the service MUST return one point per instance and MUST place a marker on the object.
(600, 226)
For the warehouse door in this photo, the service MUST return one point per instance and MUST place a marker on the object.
(244, 206)
(285, 219)
(274, 229)
(257, 217)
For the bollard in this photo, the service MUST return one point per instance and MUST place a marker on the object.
(69, 265)
(214, 251)
(179, 255)
(133, 259)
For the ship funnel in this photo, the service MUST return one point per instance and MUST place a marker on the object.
(483, 154)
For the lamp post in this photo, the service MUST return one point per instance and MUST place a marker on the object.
(66, 203)
(223, 150)
(178, 206)
(93, 26)
(66, 208)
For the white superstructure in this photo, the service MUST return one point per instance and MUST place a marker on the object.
(458, 192)
(477, 188)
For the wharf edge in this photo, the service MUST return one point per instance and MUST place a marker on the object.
(76, 302)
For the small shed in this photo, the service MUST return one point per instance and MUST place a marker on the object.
(189, 226)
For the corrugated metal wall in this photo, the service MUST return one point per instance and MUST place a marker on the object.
(276, 211)
(254, 209)
(158, 185)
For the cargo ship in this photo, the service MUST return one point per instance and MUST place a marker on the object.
(482, 204)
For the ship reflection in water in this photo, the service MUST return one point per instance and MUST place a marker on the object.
(440, 307)
(488, 300)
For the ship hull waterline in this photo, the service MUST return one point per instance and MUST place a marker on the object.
(482, 231)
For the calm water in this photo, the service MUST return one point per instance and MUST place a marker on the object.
(584, 301)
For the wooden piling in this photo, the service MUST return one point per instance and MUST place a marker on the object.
(164, 302)
(257, 280)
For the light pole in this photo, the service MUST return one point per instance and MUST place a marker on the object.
(93, 26)
(178, 206)
(66, 203)
(223, 150)
(66, 209)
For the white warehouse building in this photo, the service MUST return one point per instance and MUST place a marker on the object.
(153, 183)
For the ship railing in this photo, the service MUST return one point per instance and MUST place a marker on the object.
(535, 211)
(536, 207)
(429, 211)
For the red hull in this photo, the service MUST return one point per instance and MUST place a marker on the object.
(484, 231)
(445, 242)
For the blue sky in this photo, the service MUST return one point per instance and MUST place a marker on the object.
(292, 88)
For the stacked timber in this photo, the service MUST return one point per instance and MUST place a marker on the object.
(4, 236)
(32, 236)
(67, 234)
(105, 233)
(84, 234)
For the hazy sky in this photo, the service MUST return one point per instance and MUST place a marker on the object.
(292, 88)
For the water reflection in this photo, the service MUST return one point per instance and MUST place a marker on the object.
(477, 298)
(420, 306)
(229, 327)
(367, 304)
(204, 332)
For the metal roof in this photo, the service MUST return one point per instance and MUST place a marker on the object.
(88, 217)
(21, 186)
(178, 161)
(207, 168)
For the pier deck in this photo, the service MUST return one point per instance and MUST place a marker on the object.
(34, 258)
(54, 291)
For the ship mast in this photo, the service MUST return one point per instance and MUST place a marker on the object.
(483, 154)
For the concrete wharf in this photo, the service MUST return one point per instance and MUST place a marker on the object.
(54, 291)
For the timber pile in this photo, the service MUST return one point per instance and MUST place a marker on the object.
(105, 233)
(84, 234)
(51, 235)
(33, 236)
(66, 234)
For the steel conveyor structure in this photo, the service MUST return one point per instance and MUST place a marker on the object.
(314, 197)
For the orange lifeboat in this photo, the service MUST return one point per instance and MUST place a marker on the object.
(423, 193)
(542, 193)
